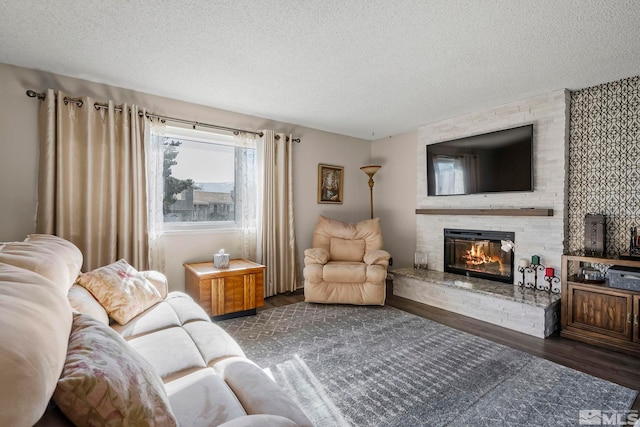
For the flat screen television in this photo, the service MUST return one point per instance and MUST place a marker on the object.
(500, 161)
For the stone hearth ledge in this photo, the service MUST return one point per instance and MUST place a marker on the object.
(524, 310)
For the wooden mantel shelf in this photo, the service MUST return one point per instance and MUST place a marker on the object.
(489, 211)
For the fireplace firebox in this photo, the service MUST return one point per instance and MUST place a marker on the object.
(478, 253)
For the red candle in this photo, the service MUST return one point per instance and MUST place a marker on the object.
(549, 272)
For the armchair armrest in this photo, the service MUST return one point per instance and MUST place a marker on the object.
(316, 256)
(158, 280)
(379, 257)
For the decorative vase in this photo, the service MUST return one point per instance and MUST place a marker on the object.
(420, 260)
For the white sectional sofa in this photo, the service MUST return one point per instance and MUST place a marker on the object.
(63, 360)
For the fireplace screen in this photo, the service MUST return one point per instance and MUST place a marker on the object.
(478, 253)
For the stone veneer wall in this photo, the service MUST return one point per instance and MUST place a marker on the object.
(604, 152)
(543, 236)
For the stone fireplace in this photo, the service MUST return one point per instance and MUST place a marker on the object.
(536, 235)
(534, 313)
(478, 253)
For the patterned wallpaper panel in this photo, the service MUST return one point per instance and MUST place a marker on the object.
(604, 161)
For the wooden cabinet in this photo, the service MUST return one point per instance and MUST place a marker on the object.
(596, 313)
(601, 311)
(229, 292)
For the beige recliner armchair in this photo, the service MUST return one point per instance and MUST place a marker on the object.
(347, 264)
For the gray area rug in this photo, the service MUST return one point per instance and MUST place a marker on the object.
(379, 366)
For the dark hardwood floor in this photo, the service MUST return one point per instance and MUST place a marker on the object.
(610, 365)
(283, 299)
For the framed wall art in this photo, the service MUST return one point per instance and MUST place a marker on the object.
(330, 183)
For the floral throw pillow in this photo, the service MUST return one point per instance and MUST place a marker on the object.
(121, 289)
(106, 383)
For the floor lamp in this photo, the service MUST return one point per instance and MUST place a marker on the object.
(370, 171)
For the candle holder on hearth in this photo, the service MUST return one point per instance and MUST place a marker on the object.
(522, 283)
(523, 268)
(552, 281)
(534, 269)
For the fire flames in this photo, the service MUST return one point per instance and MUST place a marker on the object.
(477, 257)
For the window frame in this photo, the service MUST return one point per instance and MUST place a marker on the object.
(206, 137)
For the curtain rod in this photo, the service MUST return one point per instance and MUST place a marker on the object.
(41, 96)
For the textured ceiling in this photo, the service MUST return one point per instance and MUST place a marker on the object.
(362, 68)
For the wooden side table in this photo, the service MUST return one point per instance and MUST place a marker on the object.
(226, 292)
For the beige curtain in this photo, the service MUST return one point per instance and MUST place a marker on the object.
(91, 184)
(276, 237)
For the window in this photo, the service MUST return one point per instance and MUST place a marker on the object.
(202, 175)
(449, 175)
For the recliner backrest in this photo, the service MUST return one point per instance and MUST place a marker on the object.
(368, 231)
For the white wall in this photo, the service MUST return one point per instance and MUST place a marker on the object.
(543, 236)
(19, 158)
(394, 194)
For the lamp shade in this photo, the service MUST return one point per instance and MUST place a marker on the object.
(371, 170)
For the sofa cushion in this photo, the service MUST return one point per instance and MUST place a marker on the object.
(176, 310)
(344, 272)
(105, 382)
(170, 351)
(39, 259)
(186, 309)
(202, 398)
(212, 341)
(67, 250)
(83, 302)
(250, 384)
(158, 280)
(33, 343)
(160, 316)
(121, 289)
(346, 250)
